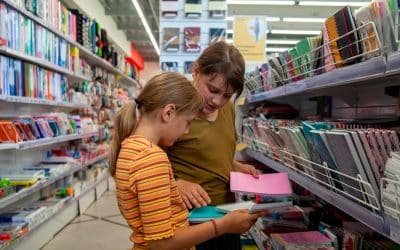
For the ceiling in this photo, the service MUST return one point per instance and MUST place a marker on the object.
(277, 12)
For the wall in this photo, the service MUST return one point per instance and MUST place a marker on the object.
(150, 69)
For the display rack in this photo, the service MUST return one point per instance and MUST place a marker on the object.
(5, 202)
(378, 71)
(93, 59)
(51, 225)
(45, 141)
(374, 68)
(37, 101)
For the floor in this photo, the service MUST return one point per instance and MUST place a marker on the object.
(100, 227)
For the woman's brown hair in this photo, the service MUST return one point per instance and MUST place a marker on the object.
(165, 88)
(225, 59)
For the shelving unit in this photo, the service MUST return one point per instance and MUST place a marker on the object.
(28, 152)
(44, 142)
(380, 71)
(41, 234)
(373, 68)
(36, 101)
(45, 183)
(92, 59)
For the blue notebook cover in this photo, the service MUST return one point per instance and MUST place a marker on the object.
(202, 214)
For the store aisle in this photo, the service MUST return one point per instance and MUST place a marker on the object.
(100, 227)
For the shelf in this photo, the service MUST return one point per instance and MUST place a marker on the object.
(354, 74)
(84, 52)
(43, 63)
(4, 202)
(15, 244)
(393, 63)
(37, 101)
(52, 140)
(362, 214)
(44, 142)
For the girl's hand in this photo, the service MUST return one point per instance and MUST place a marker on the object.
(193, 195)
(238, 221)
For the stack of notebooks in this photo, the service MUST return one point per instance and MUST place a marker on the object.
(351, 154)
(391, 187)
(346, 38)
(271, 185)
(300, 240)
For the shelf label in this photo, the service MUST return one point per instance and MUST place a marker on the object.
(241, 101)
(240, 147)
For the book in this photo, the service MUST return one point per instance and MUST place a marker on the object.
(216, 35)
(193, 8)
(169, 66)
(170, 39)
(268, 184)
(311, 239)
(202, 214)
(252, 206)
(169, 8)
(191, 39)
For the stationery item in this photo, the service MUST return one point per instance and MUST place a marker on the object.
(268, 184)
(169, 8)
(170, 39)
(253, 207)
(216, 8)
(368, 36)
(202, 214)
(343, 37)
(188, 67)
(348, 162)
(169, 66)
(216, 35)
(300, 240)
(191, 39)
(193, 8)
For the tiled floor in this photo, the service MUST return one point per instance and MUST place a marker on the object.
(101, 227)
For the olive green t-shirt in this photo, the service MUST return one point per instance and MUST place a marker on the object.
(205, 154)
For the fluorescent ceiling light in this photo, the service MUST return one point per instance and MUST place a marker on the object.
(276, 49)
(296, 32)
(272, 41)
(276, 41)
(332, 3)
(260, 2)
(303, 20)
(146, 26)
(268, 19)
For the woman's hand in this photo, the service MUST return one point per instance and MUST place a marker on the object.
(193, 195)
(245, 168)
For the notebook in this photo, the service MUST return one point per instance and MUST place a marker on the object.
(191, 39)
(170, 39)
(268, 184)
(252, 206)
(202, 214)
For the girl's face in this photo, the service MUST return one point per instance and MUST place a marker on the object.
(215, 91)
(178, 126)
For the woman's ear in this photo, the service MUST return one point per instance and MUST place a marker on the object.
(168, 112)
(195, 70)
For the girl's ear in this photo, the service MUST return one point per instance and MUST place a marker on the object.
(168, 112)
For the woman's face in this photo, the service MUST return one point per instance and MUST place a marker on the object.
(215, 91)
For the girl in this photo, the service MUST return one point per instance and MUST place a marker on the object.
(147, 194)
(203, 159)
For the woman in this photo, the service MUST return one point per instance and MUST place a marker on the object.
(203, 159)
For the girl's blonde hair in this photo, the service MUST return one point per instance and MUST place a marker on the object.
(165, 88)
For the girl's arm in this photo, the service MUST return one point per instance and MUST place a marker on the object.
(185, 237)
(244, 168)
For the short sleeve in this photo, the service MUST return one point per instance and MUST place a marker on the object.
(153, 187)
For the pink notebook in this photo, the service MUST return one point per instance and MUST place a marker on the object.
(267, 184)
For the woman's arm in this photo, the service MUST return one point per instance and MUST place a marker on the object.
(244, 168)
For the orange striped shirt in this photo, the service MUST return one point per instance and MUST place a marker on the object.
(147, 194)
